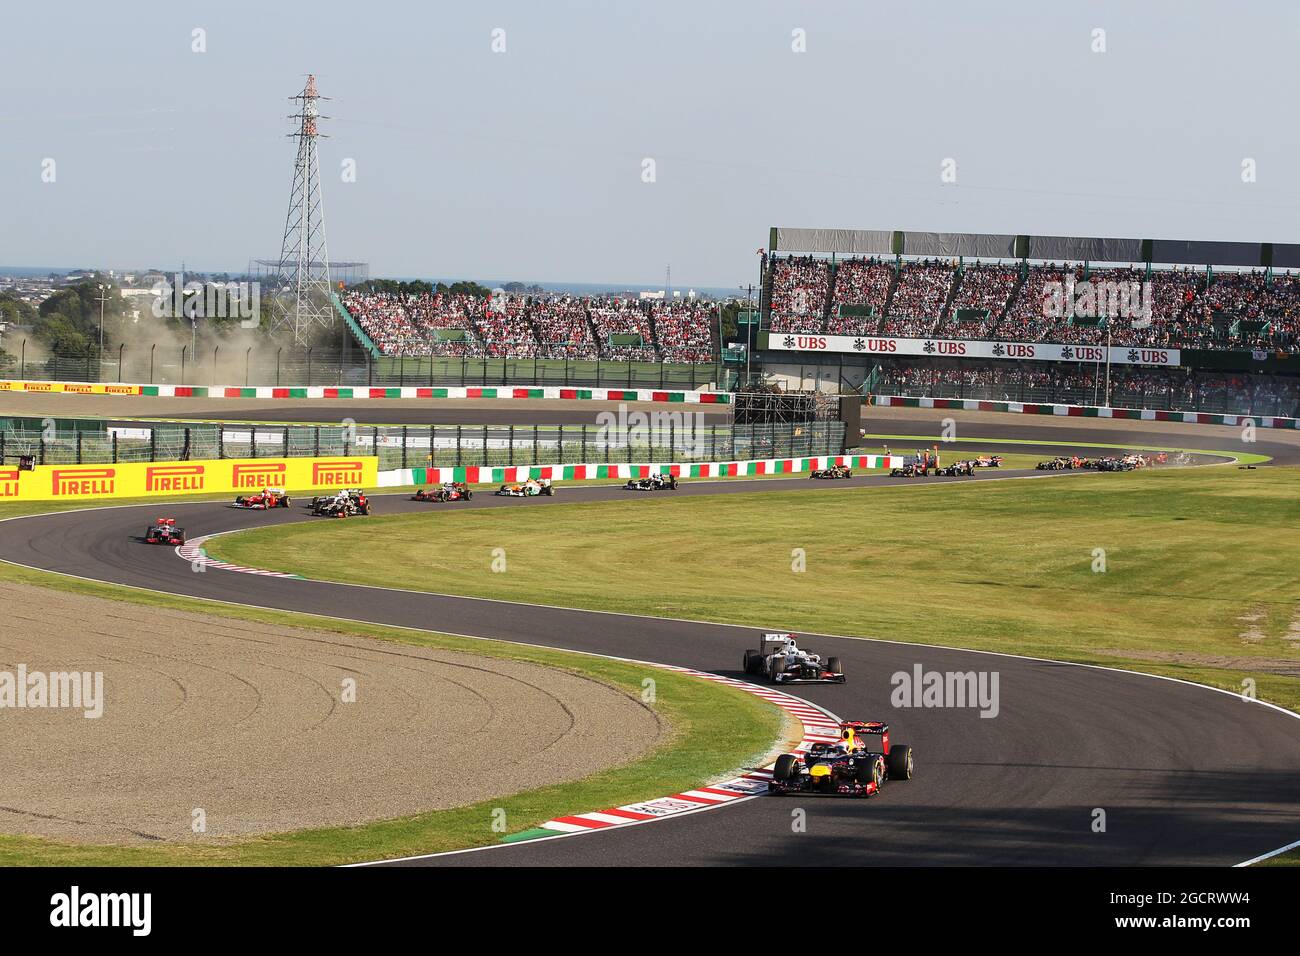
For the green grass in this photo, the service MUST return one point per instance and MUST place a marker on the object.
(713, 729)
(1004, 566)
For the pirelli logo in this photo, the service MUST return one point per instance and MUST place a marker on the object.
(120, 389)
(8, 482)
(258, 476)
(39, 387)
(337, 473)
(174, 478)
(80, 389)
(83, 481)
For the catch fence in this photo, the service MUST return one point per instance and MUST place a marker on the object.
(679, 439)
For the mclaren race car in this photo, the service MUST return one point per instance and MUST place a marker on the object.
(528, 489)
(264, 499)
(346, 504)
(653, 483)
(857, 765)
(834, 471)
(447, 491)
(164, 531)
(781, 661)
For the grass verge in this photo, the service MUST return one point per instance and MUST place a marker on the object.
(713, 729)
(1199, 578)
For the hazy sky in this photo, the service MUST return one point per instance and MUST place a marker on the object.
(527, 164)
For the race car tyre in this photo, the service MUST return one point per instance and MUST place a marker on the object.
(900, 762)
(365, 509)
(468, 494)
(787, 766)
(749, 662)
(773, 669)
(865, 771)
(833, 665)
(548, 490)
(284, 502)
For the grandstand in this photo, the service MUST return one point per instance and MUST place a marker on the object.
(608, 328)
(1202, 295)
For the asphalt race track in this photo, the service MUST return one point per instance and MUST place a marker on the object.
(1186, 775)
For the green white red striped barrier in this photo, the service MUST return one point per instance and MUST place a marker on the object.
(1082, 411)
(701, 469)
(376, 392)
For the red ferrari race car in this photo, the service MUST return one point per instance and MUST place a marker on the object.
(447, 491)
(856, 765)
(264, 499)
(164, 531)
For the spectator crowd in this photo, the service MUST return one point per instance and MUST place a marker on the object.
(1188, 308)
(539, 326)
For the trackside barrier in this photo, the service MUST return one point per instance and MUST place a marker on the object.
(1083, 411)
(704, 469)
(149, 479)
(364, 392)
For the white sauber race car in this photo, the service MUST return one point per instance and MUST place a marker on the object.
(782, 661)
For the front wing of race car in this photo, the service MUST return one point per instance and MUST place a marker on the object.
(810, 675)
(846, 786)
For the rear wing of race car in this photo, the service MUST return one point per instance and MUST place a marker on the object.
(865, 726)
(774, 643)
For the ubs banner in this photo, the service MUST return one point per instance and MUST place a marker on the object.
(166, 479)
(962, 348)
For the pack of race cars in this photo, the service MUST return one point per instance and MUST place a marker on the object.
(926, 463)
(1130, 462)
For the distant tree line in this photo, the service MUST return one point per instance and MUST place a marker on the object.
(421, 287)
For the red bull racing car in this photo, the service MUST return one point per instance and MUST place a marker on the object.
(448, 491)
(164, 531)
(856, 765)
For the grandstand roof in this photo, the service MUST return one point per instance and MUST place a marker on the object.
(886, 242)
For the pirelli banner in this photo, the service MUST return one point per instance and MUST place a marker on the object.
(963, 348)
(167, 479)
(70, 388)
